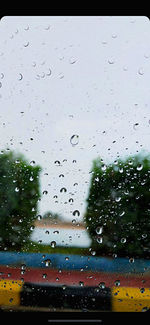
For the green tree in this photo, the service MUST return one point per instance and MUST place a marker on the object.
(118, 207)
(19, 194)
(51, 216)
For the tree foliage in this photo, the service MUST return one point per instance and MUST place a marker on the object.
(19, 194)
(118, 207)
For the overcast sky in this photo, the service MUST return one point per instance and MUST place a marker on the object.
(64, 76)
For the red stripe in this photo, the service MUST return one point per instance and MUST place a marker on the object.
(36, 275)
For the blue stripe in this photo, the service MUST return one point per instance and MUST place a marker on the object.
(75, 262)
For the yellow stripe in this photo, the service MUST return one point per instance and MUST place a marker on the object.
(10, 292)
(126, 299)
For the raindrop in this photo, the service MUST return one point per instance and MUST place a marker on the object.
(120, 170)
(99, 230)
(111, 61)
(122, 214)
(20, 76)
(63, 189)
(45, 192)
(0, 85)
(139, 167)
(39, 217)
(47, 262)
(26, 44)
(70, 200)
(53, 244)
(31, 179)
(44, 276)
(16, 189)
(57, 162)
(93, 253)
(61, 175)
(123, 240)
(61, 75)
(142, 290)
(32, 163)
(76, 213)
(81, 283)
(72, 60)
(102, 285)
(114, 35)
(141, 71)
(66, 258)
(117, 283)
(103, 167)
(74, 221)
(2, 75)
(131, 260)
(74, 140)
(99, 239)
(117, 199)
(135, 126)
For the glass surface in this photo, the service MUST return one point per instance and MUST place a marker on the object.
(74, 164)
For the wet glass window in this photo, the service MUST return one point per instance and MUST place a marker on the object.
(74, 164)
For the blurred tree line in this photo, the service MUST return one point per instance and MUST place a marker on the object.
(118, 207)
(19, 194)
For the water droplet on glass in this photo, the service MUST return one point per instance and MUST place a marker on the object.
(99, 239)
(61, 175)
(63, 189)
(20, 76)
(104, 167)
(93, 253)
(142, 290)
(81, 283)
(74, 140)
(120, 170)
(135, 126)
(47, 262)
(32, 163)
(31, 178)
(57, 162)
(99, 230)
(141, 71)
(76, 213)
(44, 276)
(26, 44)
(117, 283)
(111, 61)
(117, 199)
(122, 214)
(53, 244)
(16, 189)
(45, 192)
(139, 167)
(131, 260)
(71, 200)
(123, 240)
(72, 60)
(66, 258)
(102, 285)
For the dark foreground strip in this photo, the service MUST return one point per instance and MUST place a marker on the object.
(15, 293)
(66, 297)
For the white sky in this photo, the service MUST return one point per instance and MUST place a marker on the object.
(99, 81)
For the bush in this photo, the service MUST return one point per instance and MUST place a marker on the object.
(118, 207)
(19, 194)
